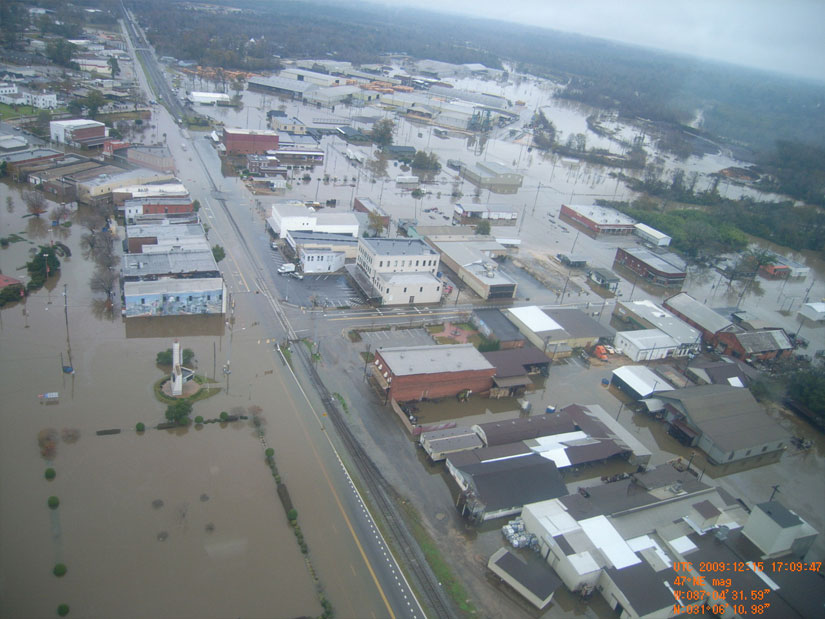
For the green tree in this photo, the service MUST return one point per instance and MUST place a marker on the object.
(219, 253)
(94, 101)
(114, 67)
(179, 411)
(381, 132)
(483, 227)
(60, 52)
(75, 107)
(196, 205)
(808, 388)
(376, 223)
(164, 357)
(425, 161)
(44, 117)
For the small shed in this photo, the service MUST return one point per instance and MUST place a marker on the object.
(813, 311)
(638, 381)
(604, 278)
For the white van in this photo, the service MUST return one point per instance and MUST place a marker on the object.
(285, 268)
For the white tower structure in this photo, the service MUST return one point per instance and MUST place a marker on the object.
(177, 369)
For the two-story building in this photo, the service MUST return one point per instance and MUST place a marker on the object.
(397, 271)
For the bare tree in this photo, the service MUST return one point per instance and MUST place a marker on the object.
(104, 281)
(60, 212)
(9, 204)
(35, 203)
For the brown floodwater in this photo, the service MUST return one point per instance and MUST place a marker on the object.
(167, 523)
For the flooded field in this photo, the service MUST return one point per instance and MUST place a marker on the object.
(164, 523)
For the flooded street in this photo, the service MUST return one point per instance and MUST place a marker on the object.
(163, 523)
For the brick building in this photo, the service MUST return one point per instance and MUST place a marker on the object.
(418, 372)
(598, 219)
(659, 268)
(78, 132)
(249, 141)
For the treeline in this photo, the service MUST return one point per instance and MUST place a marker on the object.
(695, 233)
(721, 224)
(742, 106)
(358, 33)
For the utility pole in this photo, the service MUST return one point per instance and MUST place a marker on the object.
(775, 490)
(66, 314)
(536, 201)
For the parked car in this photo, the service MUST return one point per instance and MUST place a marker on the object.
(297, 275)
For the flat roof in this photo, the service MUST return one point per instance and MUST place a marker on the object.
(512, 361)
(434, 359)
(645, 588)
(664, 262)
(644, 228)
(602, 214)
(764, 341)
(422, 277)
(523, 428)
(534, 319)
(32, 153)
(780, 514)
(172, 286)
(165, 231)
(282, 83)
(399, 247)
(172, 262)
(242, 131)
(502, 329)
(76, 122)
(578, 323)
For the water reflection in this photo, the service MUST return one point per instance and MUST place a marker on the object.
(175, 326)
(37, 228)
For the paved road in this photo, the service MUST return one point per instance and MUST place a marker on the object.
(236, 224)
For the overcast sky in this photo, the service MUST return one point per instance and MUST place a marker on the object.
(787, 36)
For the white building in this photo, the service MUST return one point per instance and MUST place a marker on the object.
(11, 95)
(311, 77)
(208, 98)
(321, 260)
(813, 311)
(398, 271)
(652, 235)
(645, 344)
(77, 130)
(295, 216)
(776, 530)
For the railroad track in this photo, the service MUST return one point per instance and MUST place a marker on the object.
(386, 499)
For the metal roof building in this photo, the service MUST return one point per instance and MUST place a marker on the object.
(726, 422)
(697, 314)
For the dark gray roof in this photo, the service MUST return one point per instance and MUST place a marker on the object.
(625, 494)
(780, 514)
(488, 454)
(522, 428)
(697, 312)
(663, 261)
(577, 323)
(706, 509)
(644, 587)
(531, 572)
(514, 482)
(764, 341)
(434, 359)
(502, 329)
(729, 416)
(606, 274)
(399, 247)
(715, 553)
(513, 361)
